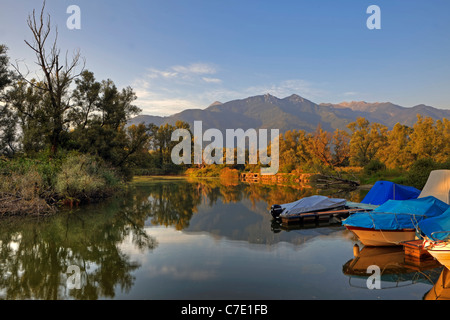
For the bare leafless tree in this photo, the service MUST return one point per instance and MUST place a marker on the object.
(56, 75)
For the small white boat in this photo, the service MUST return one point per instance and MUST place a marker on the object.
(374, 237)
(440, 250)
(436, 232)
(393, 222)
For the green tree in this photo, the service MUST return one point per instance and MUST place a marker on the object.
(161, 143)
(115, 107)
(99, 117)
(26, 102)
(5, 74)
(7, 116)
(86, 99)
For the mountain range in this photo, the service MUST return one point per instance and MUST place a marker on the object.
(294, 112)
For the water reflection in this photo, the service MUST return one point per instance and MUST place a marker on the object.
(35, 253)
(156, 237)
(395, 270)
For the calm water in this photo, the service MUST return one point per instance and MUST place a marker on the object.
(207, 239)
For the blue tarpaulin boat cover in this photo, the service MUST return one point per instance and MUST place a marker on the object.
(437, 228)
(383, 191)
(398, 214)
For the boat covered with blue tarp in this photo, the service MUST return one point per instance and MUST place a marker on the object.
(436, 228)
(398, 214)
(383, 191)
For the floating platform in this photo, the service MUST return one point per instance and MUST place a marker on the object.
(318, 216)
(414, 249)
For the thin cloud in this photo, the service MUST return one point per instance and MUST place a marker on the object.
(164, 92)
(195, 68)
(286, 88)
(182, 72)
(211, 80)
(350, 94)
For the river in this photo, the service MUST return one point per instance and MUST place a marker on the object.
(176, 238)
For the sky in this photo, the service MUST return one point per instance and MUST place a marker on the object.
(185, 54)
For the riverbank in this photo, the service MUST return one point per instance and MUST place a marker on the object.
(39, 186)
(42, 185)
(349, 176)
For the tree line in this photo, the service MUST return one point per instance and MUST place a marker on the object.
(365, 142)
(66, 109)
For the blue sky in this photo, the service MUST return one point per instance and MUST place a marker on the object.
(179, 54)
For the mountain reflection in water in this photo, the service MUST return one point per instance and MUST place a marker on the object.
(176, 238)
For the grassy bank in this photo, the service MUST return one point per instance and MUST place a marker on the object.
(40, 185)
(415, 176)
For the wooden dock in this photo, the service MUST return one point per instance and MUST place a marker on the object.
(320, 216)
(417, 256)
(279, 178)
(414, 249)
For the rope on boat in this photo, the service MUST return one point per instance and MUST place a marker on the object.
(412, 216)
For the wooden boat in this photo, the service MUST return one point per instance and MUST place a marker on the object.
(396, 221)
(440, 250)
(379, 237)
(441, 289)
(393, 222)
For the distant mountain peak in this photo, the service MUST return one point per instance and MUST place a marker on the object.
(270, 98)
(215, 103)
(295, 98)
(295, 113)
(362, 105)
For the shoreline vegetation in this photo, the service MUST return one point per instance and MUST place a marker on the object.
(64, 140)
(39, 186)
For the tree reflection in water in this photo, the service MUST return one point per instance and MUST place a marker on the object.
(36, 252)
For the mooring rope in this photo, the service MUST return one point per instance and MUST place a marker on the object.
(413, 219)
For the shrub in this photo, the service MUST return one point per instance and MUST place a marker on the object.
(227, 173)
(22, 189)
(418, 173)
(84, 177)
(373, 167)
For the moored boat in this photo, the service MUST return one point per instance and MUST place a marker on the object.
(396, 221)
(441, 288)
(393, 222)
(436, 232)
(315, 203)
(383, 191)
(440, 250)
(437, 185)
(380, 237)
